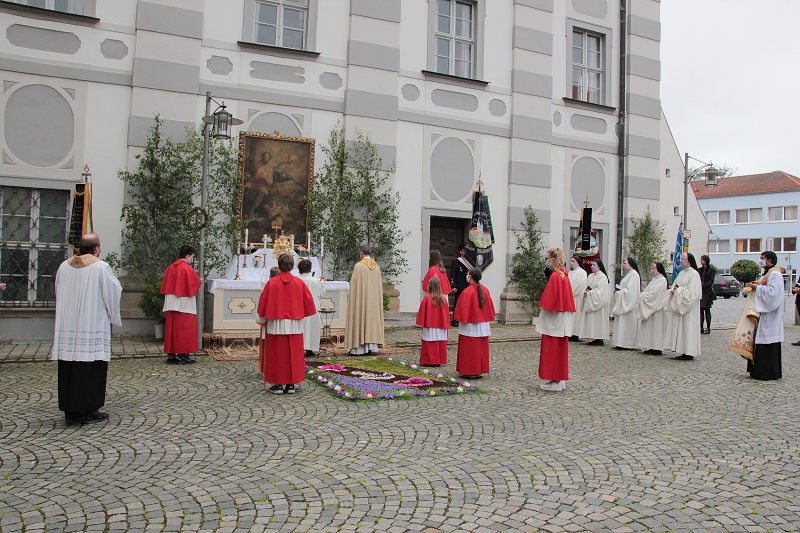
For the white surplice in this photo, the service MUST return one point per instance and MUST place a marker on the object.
(651, 314)
(770, 302)
(682, 334)
(626, 300)
(579, 280)
(312, 325)
(87, 303)
(594, 322)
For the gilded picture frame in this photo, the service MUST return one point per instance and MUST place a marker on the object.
(278, 175)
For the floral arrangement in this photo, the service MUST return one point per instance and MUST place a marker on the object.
(351, 382)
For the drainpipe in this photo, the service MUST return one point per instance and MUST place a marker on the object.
(623, 70)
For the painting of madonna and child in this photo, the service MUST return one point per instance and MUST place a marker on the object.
(278, 172)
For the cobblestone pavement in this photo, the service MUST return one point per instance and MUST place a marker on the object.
(635, 443)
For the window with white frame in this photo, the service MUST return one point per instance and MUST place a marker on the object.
(716, 218)
(281, 23)
(455, 38)
(587, 66)
(782, 244)
(748, 245)
(64, 6)
(721, 246)
(748, 216)
(33, 235)
(782, 213)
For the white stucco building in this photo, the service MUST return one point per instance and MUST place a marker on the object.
(525, 93)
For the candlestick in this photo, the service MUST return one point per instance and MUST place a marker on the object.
(237, 262)
(265, 253)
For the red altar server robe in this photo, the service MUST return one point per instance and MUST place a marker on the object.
(443, 279)
(473, 352)
(180, 329)
(285, 298)
(434, 350)
(556, 300)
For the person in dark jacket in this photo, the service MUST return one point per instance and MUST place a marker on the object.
(459, 269)
(707, 275)
(796, 291)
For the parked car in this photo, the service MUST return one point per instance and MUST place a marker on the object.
(726, 286)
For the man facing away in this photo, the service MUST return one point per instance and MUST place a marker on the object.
(87, 303)
(180, 287)
(364, 325)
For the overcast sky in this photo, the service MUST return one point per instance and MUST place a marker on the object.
(730, 81)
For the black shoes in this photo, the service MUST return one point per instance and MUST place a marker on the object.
(796, 343)
(596, 342)
(276, 389)
(289, 389)
(280, 389)
(73, 417)
(706, 331)
(172, 359)
(309, 353)
(574, 338)
(684, 357)
(94, 416)
(653, 352)
(183, 359)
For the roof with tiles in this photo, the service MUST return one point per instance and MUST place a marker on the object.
(776, 181)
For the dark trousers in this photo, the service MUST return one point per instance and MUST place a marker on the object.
(705, 317)
(81, 386)
(766, 363)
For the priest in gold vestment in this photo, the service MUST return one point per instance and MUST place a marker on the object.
(364, 326)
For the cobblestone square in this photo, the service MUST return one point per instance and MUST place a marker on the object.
(635, 443)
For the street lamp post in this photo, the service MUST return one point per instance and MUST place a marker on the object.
(220, 121)
(707, 170)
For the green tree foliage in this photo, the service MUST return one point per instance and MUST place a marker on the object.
(527, 265)
(647, 244)
(745, 270)
(352, 204)
(165, 194)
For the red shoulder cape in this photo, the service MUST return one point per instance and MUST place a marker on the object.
(180, 279)
(286, 297)
(429, 316)
(467, 309)
(557, 295)
(443, 279)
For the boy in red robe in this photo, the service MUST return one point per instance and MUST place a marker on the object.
(555, 324)
(284, 303)
(180, 286)
(434, 317)
(473, 313)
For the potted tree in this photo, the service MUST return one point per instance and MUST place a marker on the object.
(527, 265)
(151, 303)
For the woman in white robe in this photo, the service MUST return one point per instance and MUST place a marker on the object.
(578, 280)
(682, 334)
(594, 319)
(312, 325)
(626, 300)
(651, 314)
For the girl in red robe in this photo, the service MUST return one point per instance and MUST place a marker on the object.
(434, 317)
(284, 303)
(555, 323)
(473, 313)
(436, 270)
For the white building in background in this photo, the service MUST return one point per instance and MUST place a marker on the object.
(525, 93)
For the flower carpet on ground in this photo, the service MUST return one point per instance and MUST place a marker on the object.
(381, 379)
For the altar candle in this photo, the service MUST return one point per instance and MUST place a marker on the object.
(246, 235)
(322, 246)
(308, 242)
(265, 243)
(292, 243)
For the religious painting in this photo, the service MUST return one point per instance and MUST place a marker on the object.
(278, 173)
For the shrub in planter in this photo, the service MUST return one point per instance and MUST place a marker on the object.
(152, 303)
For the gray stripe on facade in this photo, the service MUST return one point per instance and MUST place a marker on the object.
(644, 106)
(373, 55)
(461, 125)
(139, 130)
(167, 19)
(531, 174)
(165, 75)
(517, 214)
(644, 146)
(371, 105)
(531, 83)
(585, 145)
(644, 67)
(61, 71)
(644, 27)
(646, 188)
(533, 40)
(544, 5)
(388, 10)
(533, 129)
(268, 97)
